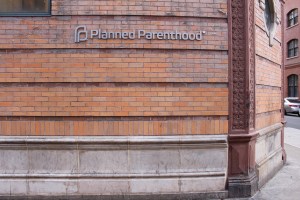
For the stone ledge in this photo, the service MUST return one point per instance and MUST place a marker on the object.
(113, 142)
(118, 176)
(114, 139)
(190, 196)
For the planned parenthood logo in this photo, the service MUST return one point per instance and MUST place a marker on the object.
(83, 34)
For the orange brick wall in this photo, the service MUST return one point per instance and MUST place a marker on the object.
(270, 77)
(112, 100)
(192, 8)
(266, 119)
(264, 50)
(268, 72)
(113, 66)
(58, 32)
(268, 99)
(51, 85)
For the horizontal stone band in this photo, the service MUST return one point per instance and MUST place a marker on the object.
(114, 176)
(117, 139)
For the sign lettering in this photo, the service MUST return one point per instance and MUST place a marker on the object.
(82, 34)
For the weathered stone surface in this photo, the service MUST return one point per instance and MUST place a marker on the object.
(114, 165)
(268, 153)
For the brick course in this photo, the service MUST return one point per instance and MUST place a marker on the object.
(111, 100)
(192, 8)
(113, 66)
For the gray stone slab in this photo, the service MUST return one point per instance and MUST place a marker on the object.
(266, 145)
(103, 187)
(14, 162)
(154, 186)
(52, 187)
(154, 161)
(199, 160)
(203, 184)
(13, 186)
(103, 162)
(52, 161)
(269, 168)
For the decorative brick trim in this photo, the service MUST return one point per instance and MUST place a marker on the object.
(242, 180)
(242, 65)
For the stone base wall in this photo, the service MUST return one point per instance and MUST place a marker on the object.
(58, 166)
(268, 153)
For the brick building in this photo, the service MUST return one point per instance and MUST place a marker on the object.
(169, 99)
(291, 53)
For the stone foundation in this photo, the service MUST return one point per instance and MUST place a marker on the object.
(58, 166)
(268, 153)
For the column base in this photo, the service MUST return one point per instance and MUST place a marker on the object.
(242, 186)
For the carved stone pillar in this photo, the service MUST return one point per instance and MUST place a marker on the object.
(242, 177)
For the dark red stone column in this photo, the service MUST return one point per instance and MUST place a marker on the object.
(242, 177)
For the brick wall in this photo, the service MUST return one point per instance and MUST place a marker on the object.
(268, 72)
(51, 85)
(191, 8)
(272, 76)
(113, 65)
(58, 32)
(113, 100)
(292, 65)
(291, 32)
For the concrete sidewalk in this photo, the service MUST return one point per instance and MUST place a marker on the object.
(286, 184)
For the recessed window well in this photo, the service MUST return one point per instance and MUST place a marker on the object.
(25, 7)
(268, 15)
(270, 19)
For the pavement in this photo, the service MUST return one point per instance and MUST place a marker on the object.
(285, 185)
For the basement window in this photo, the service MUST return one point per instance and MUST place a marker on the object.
(25, 7)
